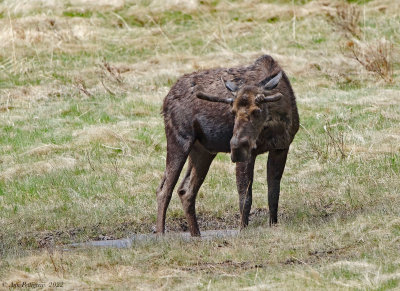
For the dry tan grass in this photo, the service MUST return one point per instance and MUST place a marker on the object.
(43, 149)
(38, 168)
(178, 5)
(97, 134)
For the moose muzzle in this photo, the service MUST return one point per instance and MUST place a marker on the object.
(240, 150)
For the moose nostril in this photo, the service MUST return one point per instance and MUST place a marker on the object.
(244, 143)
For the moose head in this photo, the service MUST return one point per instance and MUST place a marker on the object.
(248, 106)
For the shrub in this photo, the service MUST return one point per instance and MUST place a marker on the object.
(375, 57)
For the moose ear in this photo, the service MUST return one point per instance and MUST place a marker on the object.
(231, 86)
(273, 82)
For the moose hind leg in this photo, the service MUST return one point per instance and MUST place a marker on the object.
(244, 183)
(199, 163)
(176, 158)
(275, 167)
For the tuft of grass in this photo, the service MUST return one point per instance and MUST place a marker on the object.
(347, 18)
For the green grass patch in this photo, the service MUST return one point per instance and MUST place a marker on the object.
(78, 13)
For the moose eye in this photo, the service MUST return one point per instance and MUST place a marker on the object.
(233, 111)
(256, 112)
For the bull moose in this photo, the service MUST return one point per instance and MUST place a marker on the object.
(246, 111)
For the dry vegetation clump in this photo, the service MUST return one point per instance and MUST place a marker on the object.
(332, 145)
(81, 86)
(346, 19)
(376, 57)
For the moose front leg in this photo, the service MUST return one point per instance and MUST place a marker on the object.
(244, 183)
(275, 167)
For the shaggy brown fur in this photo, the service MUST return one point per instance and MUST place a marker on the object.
(203, 117)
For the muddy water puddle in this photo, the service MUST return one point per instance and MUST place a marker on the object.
(138, 238)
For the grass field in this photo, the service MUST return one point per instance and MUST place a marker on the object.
(82, 145)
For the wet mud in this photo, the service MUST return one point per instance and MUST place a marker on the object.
(140, 238)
